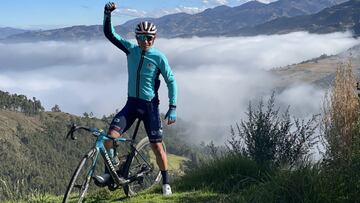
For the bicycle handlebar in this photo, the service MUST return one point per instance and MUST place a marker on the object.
(96, 132)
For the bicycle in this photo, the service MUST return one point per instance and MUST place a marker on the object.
(137, 170)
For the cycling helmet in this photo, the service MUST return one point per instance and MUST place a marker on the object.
(145, 27)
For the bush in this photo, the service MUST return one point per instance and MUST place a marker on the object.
(340, 119)
(273, 141)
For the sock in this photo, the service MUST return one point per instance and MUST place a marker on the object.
(165, 177)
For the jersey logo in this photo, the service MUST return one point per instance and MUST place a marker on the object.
(150, 66)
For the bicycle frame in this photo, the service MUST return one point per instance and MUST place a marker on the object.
(100, 149)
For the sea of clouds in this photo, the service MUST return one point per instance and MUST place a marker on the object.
(217, 77)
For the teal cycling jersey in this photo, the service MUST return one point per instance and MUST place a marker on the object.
(144, 67)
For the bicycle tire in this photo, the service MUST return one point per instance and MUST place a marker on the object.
(81, 178)
(150, 179)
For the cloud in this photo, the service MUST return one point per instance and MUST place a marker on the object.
(217, 76)
(130, 12)
(193, 9)
(215, 2)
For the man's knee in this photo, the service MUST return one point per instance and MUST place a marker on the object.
(114, 134)
(157, 147)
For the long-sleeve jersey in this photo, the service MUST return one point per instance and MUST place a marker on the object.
(144, 67)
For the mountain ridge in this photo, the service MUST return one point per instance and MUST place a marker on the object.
(218, 21)
(340, 17)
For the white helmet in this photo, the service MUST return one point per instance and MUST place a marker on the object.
(145, 27)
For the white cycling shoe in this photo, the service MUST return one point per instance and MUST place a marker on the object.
(166, 189)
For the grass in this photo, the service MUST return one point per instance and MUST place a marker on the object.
(225, 175)
(152, 195)
(238, 180)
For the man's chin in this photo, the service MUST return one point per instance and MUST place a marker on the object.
(145, 48)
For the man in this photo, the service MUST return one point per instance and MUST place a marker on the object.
(145, 64)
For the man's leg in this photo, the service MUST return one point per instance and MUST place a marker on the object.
(161, 160)
(121, 122)
(102, 180)
(109, 143)
(153, 127)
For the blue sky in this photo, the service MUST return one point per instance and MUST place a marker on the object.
(42, 14)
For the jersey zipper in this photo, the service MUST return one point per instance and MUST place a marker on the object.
(138, 74)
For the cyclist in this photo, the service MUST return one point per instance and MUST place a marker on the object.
(145, 64)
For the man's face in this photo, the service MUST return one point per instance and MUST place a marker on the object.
(145, 41)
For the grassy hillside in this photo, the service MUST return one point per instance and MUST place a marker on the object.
(36, 159)
(319, 71)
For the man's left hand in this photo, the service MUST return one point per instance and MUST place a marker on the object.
(171, 115)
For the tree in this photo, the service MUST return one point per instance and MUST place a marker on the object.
(56, 108)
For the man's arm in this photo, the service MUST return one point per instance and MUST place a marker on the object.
(172, 90)
(110, 33)
(170, 81)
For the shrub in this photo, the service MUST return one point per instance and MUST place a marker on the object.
(270, 140)
(340, 119)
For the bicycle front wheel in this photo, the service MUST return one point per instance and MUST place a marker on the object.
(143, 158)
(79, 183)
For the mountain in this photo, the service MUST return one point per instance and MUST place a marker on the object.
(8, 31)
(221, 20)
(342, 17)
(224, 19)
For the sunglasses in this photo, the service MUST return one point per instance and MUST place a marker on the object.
(145, 37)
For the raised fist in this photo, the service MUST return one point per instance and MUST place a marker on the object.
(109, 7)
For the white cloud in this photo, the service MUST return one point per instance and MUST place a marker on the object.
(215, 2)
(265, 1)
(135, 13)
(158, 12)
(217, 77)
(131, 12)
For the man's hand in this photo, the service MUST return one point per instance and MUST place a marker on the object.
(171, 115)
(110, 7)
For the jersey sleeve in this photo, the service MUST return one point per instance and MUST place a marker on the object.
(113, 37)
(170, 80)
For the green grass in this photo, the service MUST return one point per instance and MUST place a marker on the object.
(152, 195)
(226, 175)
(235, 179)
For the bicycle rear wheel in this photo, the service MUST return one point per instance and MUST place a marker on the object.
(79, 183)
(143, 158)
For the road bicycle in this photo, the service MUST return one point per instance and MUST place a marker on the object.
(137, 170)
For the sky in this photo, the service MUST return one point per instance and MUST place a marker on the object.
(217, 77)
(43, 14)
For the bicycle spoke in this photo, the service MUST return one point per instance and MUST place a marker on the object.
(144, 162)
